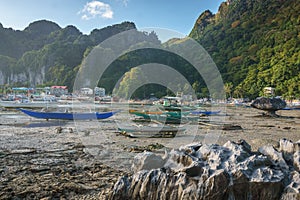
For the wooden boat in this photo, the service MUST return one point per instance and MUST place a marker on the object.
(167, 117)
(174, 108)
(67, 115)
(153, 128)
(133, 111)
(156, 130)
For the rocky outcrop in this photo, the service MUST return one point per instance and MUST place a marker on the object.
(33, 77)
(271, 105)
(231, 171)
(17, 78)
(2, 78)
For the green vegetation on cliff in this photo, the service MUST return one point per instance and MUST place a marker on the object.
(45, 54)
(255, 44)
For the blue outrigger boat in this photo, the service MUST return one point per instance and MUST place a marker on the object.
(68, 116)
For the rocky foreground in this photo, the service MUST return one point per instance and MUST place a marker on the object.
(66, 173)
(231, 171)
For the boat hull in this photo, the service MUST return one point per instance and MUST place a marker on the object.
(167, 117)
(68, 116)
(128, 128)
(150, 131)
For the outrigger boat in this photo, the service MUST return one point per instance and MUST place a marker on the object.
(167, 117)
(173, 117)
(68, 115)
(143, 113)
(156, 130)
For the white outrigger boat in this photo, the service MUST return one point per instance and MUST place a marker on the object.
(28, 104)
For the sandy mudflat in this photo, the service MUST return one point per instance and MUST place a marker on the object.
(83, 159)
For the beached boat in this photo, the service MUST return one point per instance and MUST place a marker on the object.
(173, 104)
(159, 112)
(153, 128)
(167, 117)
(28, 104)
(133, 111)
(68, 115)
(156, 130)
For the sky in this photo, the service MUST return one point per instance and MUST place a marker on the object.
(176, 15)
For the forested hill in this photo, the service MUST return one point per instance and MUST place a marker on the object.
(15, 43)
(255, 43)
(46, 54)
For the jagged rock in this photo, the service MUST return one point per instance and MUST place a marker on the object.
(296, 156)
(215, 186)
(292, 191)
(241, 150)
(287, 149)
(243, 188)
(231, 171)
(121, 188)
(271, 105)
(147, 161)
(179, 159)
(190, 148)
(275, 156)
(290, 152)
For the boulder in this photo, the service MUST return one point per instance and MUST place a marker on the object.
(271, 105)
(231, 171)
(147, 161)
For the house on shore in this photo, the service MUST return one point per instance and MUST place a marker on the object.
(58, 90)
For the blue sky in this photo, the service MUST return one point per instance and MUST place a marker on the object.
(86, 15)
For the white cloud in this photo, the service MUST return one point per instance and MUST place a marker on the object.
(96, 8)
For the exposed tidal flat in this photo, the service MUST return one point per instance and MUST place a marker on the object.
(84, 159)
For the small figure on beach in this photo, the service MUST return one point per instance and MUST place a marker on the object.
(269, 104)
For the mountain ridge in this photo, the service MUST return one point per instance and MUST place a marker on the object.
(254, 43)
(45, 53)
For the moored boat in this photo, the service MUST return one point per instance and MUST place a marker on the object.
(167, 117)
(156, 130)
(28, 104)
(68, 115)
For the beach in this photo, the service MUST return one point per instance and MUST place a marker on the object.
(83, 159)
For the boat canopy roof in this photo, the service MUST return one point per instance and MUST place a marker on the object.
(172, 98)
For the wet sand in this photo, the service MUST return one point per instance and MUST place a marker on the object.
(83, 159)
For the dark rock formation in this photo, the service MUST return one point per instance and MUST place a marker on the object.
(231, 171)
(271, 105)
